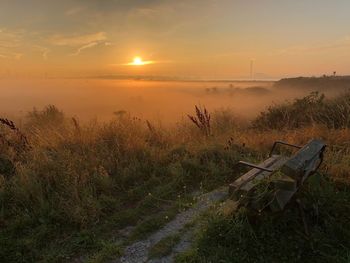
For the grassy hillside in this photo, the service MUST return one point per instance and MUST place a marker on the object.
(69, 189)
(325, 83)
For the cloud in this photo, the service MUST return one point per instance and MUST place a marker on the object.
(44, 51)
(10, 44)
(79, 40)
(10, 38)
(337, 44)
(82, 42)
(144, 12)
(73, 11)
(17, 56)
(10, 55)
(90, 45)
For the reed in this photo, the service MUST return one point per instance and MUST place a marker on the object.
(202, 120)
(22, 142)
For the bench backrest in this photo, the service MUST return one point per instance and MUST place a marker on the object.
(305, 161)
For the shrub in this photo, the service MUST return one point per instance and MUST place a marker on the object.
(48, 116)
(313, 109)
(224, 120)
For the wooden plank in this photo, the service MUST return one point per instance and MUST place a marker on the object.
(250, 184)
(252, 174)
(295, 167)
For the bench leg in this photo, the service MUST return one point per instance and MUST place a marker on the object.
(302, 215)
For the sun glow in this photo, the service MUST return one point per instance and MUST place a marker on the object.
(137, 61)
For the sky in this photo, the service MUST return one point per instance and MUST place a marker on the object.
(212, 39)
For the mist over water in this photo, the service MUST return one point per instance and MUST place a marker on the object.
(167, 101)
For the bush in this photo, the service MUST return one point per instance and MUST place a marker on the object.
(50, 115)
(224, 120)
(313, 109)
(291, 115)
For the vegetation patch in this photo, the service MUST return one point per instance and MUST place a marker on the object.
(164, 247)
(67, 189)
(313, 109)
(280, 237)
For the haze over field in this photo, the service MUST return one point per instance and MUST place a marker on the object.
(165, 101)
(156, 100)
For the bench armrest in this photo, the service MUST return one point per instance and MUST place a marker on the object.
(254, 166)
(283, 143)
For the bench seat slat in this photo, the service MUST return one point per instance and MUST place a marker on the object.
(275, 166)
(251, 174)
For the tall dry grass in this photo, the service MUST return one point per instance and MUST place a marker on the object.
(75, 176)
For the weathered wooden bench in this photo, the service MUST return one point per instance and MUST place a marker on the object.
(273, 182)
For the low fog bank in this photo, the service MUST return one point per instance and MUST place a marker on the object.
(167, 101)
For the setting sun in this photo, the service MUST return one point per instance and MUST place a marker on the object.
(137, 61)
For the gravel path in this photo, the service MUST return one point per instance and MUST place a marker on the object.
(184, 244)
(138, 251)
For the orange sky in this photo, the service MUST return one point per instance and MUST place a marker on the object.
(191, 39)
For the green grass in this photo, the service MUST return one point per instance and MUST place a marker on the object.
(151, 224)
(109, 252)
(164, 247)
(280, 237)
(76, 186)
(79, 184)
